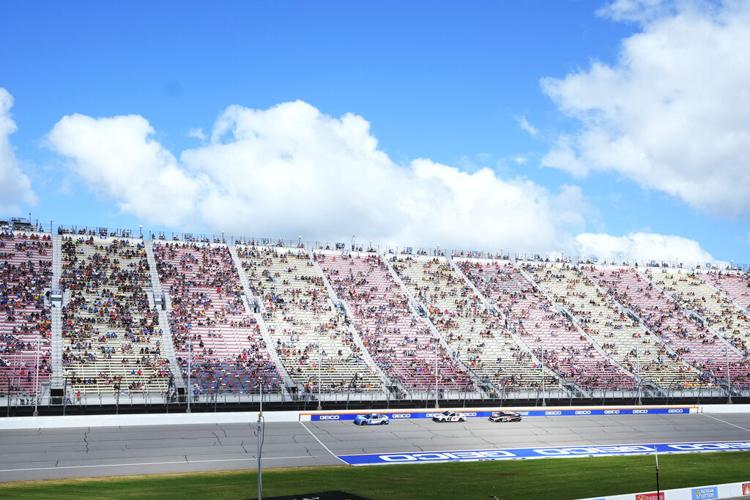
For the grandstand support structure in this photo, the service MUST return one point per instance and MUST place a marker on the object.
(249, 298)
(56, 303)
(163, 307)
(493, 309)
(167, 346)
(56, 262)
(336, 301)
(577, 324)
(690, 312)
(412, 307)
(56, 345)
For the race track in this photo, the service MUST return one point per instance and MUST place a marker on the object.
(106, 451)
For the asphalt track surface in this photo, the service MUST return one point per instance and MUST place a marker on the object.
(114, 451)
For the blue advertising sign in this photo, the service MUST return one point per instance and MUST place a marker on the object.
(705, 493)
(564, 451)
(395, 415)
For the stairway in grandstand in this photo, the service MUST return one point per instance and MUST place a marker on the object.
(112, 313)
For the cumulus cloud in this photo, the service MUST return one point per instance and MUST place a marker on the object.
(527, 127)
(673, 112)
(291, 170)
(15, 186)
(118, 158)
(641, 247)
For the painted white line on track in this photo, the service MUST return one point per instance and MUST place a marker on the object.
(725, 422)
(179, 462)
(321, 444)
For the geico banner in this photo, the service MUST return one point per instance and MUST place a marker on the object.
(395, 415)
(526, 453)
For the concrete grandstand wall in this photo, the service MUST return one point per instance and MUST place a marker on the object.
(73, 421)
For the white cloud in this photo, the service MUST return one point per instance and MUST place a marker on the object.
(119, 160)
(292, 170)
(197, 133)
(673, 112)
(637, 10)
(641, 247)
(15, 186)
(527, 127)
(520, 160)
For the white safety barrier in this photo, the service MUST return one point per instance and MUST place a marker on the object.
(71, 421)
(727, 490)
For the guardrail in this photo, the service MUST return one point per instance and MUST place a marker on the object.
(344, 415)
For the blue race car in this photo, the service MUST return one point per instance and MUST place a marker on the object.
(371, 419)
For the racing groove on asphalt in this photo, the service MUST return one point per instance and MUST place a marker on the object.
(57, 453)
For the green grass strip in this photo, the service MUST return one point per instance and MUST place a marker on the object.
(539, 479)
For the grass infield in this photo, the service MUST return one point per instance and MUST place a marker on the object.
(543, 479)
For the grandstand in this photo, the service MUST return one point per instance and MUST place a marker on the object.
(107, 316)
(111, 337)
(25, 325)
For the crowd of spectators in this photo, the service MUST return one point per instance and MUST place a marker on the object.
(622, 337)
(695, 293)
(552, 336)
(682, 333)
(400, 342)
(303, 322)
(25, 279)
(111, 335)
(735, 284)
(476, 334)
(208, 317)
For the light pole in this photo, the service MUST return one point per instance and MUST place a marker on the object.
(261, 437)
(638, 374)
(190, 362)
(729, 376)
(541, 368)
(36, 382)
(320, 362)
(437, 377)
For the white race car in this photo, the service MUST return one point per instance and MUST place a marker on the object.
(371, 419)
(448, 416)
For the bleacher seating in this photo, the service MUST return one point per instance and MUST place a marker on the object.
(621, 336)
(208, 314)
(25, 277)
(111, 336)
(474, 333)
(551, 335)
(399, 341)
(685, 336)
(734, 283)
(516, 326)
(694, 293)
(301, 318)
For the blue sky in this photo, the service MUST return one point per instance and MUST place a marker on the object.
(448, 81)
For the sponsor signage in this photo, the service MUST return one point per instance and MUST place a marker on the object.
(527, 413)
(565, 451)
(650, 496)
(705, 493)
(746, 489)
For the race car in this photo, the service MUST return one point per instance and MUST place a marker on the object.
(448, 416)
(371, 419)
(505, 416)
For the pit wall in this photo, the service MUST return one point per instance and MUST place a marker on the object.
(727, 490)
(549, 411)
(74, 421)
